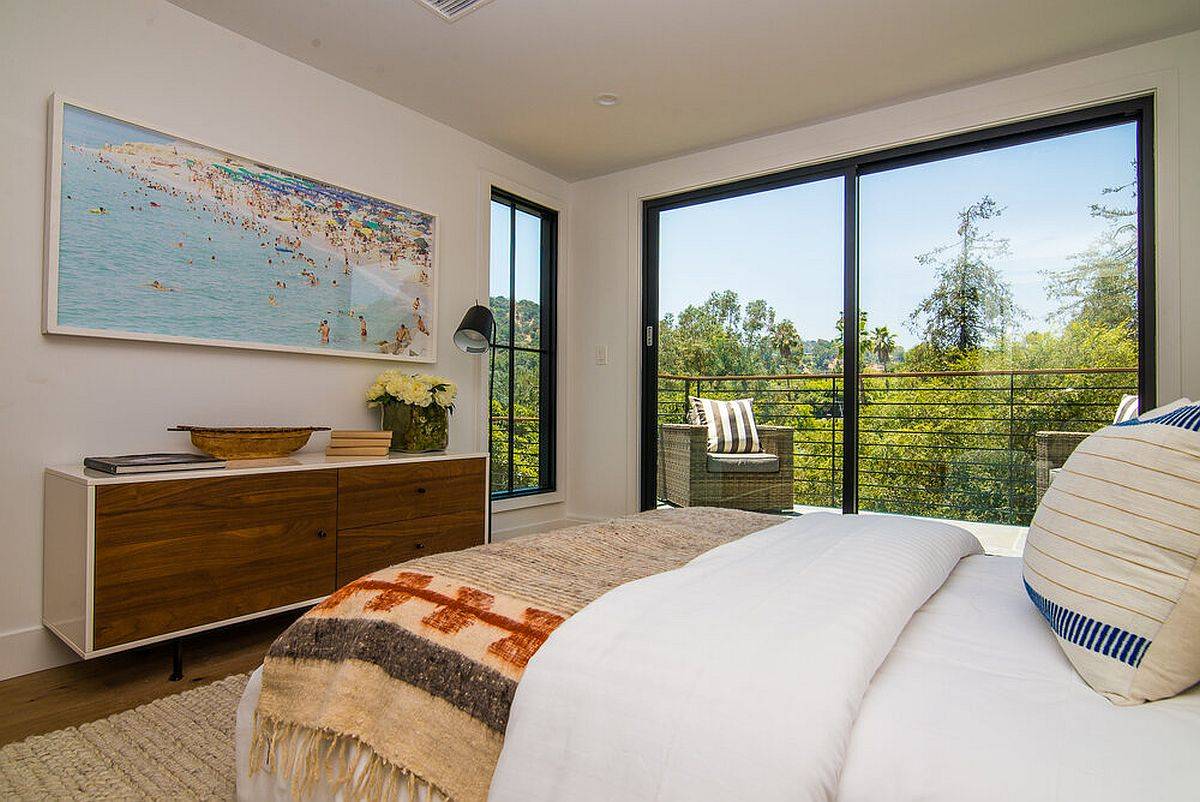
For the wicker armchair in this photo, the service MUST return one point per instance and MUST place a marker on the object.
(1053, 448)
(685, 477)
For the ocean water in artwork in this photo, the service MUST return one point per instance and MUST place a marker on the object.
(161, 236)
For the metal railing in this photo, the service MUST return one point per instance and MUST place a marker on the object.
(950, 444)
(526, 452)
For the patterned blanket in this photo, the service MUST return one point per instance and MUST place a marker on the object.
(418, 663)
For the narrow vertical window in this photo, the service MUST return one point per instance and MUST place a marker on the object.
(522, 297)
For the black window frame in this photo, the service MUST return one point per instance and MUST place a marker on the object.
(547, 348)
(1137, 109)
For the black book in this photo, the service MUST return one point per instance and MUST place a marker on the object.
(150, 463)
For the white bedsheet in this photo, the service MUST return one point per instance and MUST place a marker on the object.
(738, 676)
(977, 702)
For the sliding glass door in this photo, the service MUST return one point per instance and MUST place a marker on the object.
(1002, 288)
(998, 300)
(749, 298)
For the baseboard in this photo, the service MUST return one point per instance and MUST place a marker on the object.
(533, 528)
(24, 651)
(591, 518)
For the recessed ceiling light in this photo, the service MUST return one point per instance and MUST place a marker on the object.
(607, 99)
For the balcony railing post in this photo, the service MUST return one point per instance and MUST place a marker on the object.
(835, 416)
(1012, 511)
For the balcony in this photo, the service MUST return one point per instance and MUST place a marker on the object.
(956, 445)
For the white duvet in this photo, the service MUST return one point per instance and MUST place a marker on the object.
(738, 676)
(975, 700)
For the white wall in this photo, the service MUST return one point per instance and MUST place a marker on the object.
(605, 299)
(63, 397)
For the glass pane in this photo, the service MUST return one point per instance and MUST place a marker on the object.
(528, 280)
(499, 410)
(750, 293)
(527, 443)
(500, 268)
(999, 293)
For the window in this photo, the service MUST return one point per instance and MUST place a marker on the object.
(1003, 285)
(522, 292)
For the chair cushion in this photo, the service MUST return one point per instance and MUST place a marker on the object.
(743, 463)
(731, 427)
(1112, 560)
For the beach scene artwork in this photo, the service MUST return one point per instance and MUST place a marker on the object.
(157, 237)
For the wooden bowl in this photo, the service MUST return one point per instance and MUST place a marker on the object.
(249, 442)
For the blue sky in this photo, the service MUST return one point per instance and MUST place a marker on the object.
(528, 253)
(786, 245)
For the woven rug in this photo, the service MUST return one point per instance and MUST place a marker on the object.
(177, 747)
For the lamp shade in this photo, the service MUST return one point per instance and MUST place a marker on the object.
(474, 334)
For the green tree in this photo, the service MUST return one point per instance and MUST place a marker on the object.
(972, 304)
(882, 343)
(722, 337)
(864, 340)
(1099, 288)
(787, 343)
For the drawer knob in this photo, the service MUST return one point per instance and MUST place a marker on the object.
(419, 545)
(322, 534)
(420, 490)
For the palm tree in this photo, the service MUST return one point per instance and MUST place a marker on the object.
(883, 343)
(787, 341)
(864, 344)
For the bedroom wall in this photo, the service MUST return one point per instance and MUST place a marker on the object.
(63, 397)
(606, 229)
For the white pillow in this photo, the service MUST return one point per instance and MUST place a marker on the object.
(1112, 560)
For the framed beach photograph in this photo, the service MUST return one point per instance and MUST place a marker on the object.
(151, 236)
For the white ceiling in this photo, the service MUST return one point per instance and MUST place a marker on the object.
(522, 74)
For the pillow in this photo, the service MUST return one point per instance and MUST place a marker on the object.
(731, 428)
(1111, 560)
(1127, 409)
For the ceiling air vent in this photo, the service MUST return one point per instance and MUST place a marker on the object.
(450, 10)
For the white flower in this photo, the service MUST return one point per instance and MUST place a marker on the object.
(375, 393)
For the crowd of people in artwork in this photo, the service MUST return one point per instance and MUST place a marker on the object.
(325, 232)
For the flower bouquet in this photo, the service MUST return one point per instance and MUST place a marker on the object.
(415, 408)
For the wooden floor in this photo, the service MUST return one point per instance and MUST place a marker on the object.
(89, 690)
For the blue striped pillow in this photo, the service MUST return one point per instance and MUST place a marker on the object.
(1111, 560)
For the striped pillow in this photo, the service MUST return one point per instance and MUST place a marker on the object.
(1127, 409)
(1111, 560)
(731, 428)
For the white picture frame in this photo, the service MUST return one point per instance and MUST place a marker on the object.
(54, 269)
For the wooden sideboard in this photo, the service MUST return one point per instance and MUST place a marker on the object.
(133, 559)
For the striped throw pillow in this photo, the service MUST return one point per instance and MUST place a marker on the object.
(731, 428)
(1113, 557)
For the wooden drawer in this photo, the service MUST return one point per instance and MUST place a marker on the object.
(369, 548)
(171, 555)
(390, 493)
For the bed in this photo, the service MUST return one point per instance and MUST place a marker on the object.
(964, 695)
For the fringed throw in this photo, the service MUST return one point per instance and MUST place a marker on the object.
(402, 680)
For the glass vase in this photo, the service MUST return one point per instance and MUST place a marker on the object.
(428, 429)
(395, 418)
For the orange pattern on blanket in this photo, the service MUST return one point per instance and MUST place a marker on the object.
(452, 614)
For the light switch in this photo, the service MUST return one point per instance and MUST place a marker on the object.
(601, 354)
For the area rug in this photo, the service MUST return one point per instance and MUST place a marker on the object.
(177, 747)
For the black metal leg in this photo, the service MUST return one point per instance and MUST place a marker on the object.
(176, 660)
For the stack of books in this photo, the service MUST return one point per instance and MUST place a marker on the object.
(358, 443)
